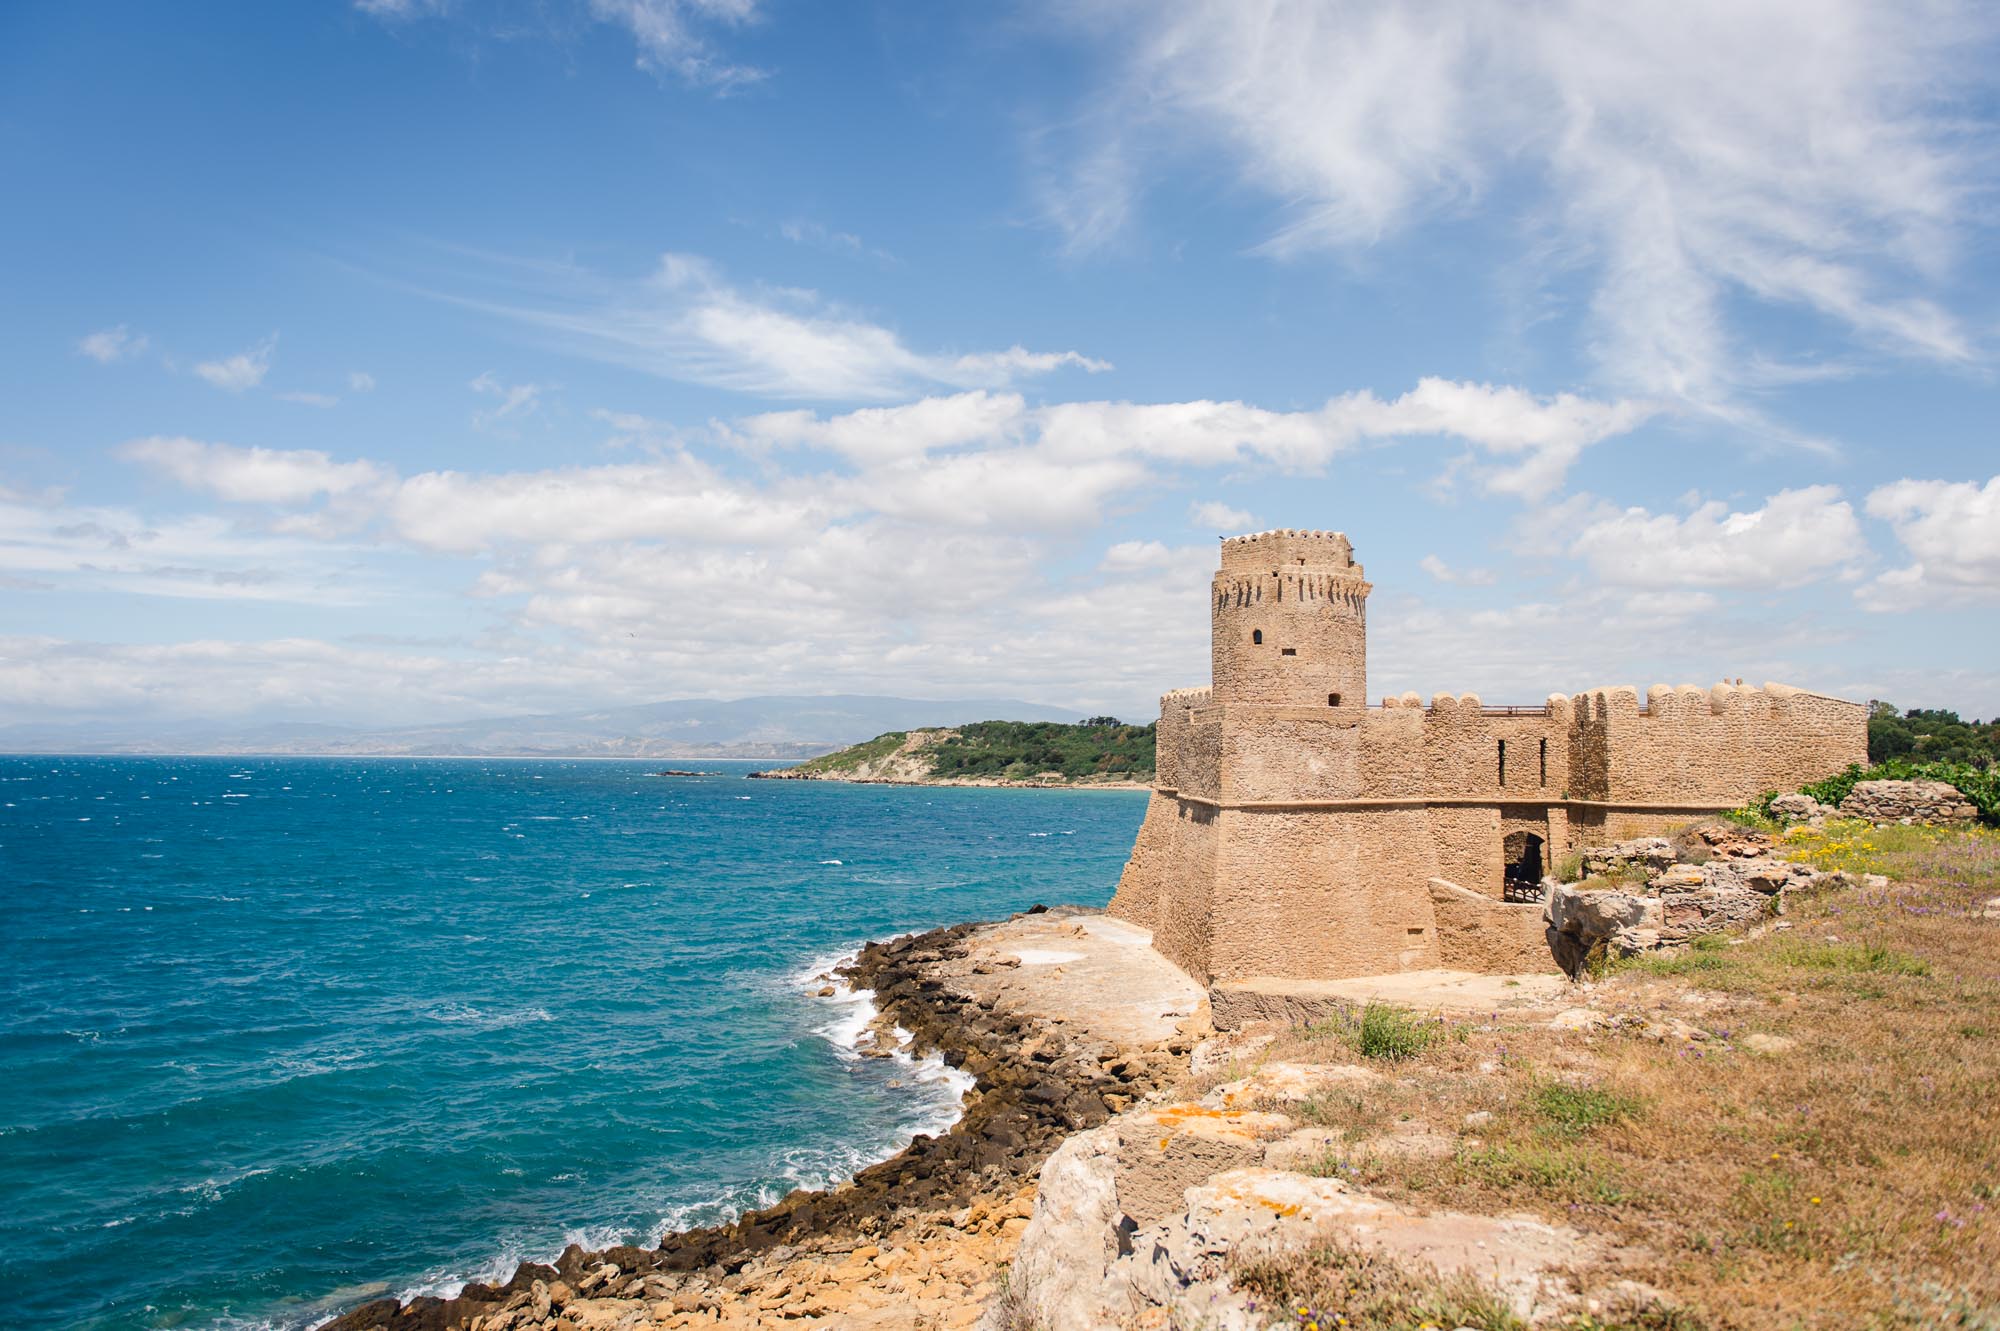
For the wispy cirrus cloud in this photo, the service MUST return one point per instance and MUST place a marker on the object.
(687, 321)
(1658, 150)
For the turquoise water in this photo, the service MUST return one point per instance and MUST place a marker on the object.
(279, 1034)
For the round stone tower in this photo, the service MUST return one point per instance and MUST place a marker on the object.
(1290, 621)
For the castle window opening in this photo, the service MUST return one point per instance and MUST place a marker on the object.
(1503, 762)
(1545, 762)
(1288, 651)
(1333, 700)
(1257, 637)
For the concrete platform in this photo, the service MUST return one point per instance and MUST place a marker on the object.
(1092, 973)
(1235, 1003)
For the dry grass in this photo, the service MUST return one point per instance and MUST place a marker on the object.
(1850, 1181)
(1334, 1288)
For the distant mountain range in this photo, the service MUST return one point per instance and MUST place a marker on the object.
(763, 728)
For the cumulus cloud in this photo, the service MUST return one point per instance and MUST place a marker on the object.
(678, 498)
(252, 475)
(1659, 149)
(107, 345)
(360, 381)
(1796, 537)
(688, 321)
(1515, 442)
(1952, 531)
(1220, 517)
(245, 370)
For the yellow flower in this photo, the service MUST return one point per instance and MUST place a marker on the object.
(1815, 1201)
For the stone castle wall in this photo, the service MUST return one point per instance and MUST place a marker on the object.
(1296, 834)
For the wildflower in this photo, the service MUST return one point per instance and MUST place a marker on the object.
(1815, 1201)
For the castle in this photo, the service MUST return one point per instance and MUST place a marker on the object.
(1297, 833)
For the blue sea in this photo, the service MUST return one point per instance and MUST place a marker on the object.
(280, 1034)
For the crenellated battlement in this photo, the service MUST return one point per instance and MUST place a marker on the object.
(1271, 551)
(1728, 698)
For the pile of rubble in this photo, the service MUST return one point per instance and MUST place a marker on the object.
(1651, 892)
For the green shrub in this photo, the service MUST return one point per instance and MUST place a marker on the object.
(1572, 1111)
(1382, 1030)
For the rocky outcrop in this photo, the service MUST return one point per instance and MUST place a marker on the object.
(1936, 803)
(1710, 879)
(1143, 1222)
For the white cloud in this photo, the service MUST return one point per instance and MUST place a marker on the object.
(252, 475)
(668, 42)
(107, 345)
(1517, 443)
(819, 236)
(1952, 530)
(1459, 577)
(1126, 556)
(201, 557)
(675, 499)
(1662, 149)
(398, 11)
(360, 381)
(884, 434)
(1221, 518)
(686, 321)
(1795, 538)
(244, 370)
(514, 399)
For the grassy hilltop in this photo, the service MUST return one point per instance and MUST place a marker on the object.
(1099, 749)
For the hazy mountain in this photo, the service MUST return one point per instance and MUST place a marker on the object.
(773, 727)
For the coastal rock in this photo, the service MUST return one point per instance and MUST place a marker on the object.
(1935, 803)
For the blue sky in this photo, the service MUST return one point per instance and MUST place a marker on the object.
(384, 361)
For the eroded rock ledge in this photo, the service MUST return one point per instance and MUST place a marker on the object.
(924, 1229)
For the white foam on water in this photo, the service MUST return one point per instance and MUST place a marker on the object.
(829, 861)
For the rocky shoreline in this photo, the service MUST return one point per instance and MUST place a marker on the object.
(945, 1210)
